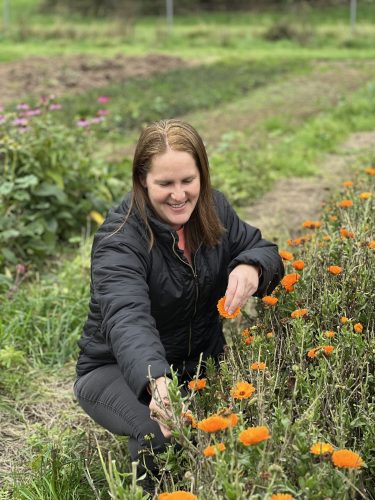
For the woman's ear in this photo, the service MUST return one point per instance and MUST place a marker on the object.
(143, 182)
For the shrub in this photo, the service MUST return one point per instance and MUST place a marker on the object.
(49, 183)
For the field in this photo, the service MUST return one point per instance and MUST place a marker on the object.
(285, 102)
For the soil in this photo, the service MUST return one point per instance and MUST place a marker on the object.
(36, 76)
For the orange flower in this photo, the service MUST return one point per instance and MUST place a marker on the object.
(298, 313)
(347, 459)
(347, 184)
(329, 334)
(311, 224)
(197, 385)
(188, 419)
(281, 496)
(298, 265)
(365, 195)
(327, 237)
(344, 320)
(242, 390)
(371, 244)
(296, 242)
(345, 233)
(285, 255)
(232, 419)
(358, 327)
(214, 423)
(210, 451)
(334, 269)
(249, 340)
(269, 335)
(333, 218)
(177, 495)
(258, 366)
(223, 312)
(370, 171)
(254, 435)
(289, 281)
(327, 349)
(269, 300)
(345, 203)
(321, 448)
(312, 353)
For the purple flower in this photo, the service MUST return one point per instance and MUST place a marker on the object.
(21, 122)
(83, 123)
(103, 99)
(55, 107)
(23, 107)
(96, 120)
(2, 119)
(102, 112)
(33, 112)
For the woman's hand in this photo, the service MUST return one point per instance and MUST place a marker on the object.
(243, 282)
(160, 404)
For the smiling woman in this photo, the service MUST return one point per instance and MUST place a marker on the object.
(160, 263)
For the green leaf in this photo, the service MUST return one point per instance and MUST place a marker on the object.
(9, 234)
(27, 181)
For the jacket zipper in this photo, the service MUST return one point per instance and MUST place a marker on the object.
(193, 269)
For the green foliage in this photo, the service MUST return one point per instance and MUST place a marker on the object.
(49, 183)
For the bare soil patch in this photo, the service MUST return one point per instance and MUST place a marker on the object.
(281, 211)
(37, 76)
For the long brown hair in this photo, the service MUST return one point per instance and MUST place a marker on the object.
(204, 225)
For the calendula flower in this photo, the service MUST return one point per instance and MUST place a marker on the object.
(177, 495)
(249, 340)
(242, 390)
(345, 233)
(345, 203)
(365, 195)
(327, 237)
(258, 366)
(269, 300)
(321, 448)
(370, 171)
(269, 335)
(210, 451)
(371, 244)
(96, 217)
(347, 459)
(312, 353)
(358, 327)
(232, 419)
(188, 419)
(347, 184)
(334, 269)
(333, 218)
(344, 320)
(281, 496)
(296, 242)
(214, 423)
(327, 349)
(285, 255)
(223, 312)
(298, 265)
(254, 435)
(299, 313)
(289, 280)
(329, 334)
(311, 224)
(197, 385)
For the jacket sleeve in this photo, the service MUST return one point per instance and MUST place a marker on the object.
(247, 246)
(119, 277)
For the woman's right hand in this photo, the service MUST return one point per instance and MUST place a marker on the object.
(160, 404)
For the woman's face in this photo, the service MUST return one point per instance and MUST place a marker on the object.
(173, 186)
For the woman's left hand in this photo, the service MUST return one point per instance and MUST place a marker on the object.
(243, 282)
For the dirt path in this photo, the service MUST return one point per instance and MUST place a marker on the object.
(37, 76)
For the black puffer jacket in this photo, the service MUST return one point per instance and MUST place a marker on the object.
(150, 310)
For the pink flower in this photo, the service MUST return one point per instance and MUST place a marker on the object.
(23, 107)
(21, 122)
(21, 269)
(83, 123)
(2, 119)
(103, 99)
(32, 112)
(55, 107)
(102, 112)
(96, 120)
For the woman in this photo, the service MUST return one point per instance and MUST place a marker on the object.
(160, 262)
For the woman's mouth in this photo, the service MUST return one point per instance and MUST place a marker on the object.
(177, 206)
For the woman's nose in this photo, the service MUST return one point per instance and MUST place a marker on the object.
(178, 194)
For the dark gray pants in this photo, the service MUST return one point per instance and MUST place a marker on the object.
(109, 401)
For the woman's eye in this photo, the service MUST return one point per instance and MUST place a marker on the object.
(187, 181)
